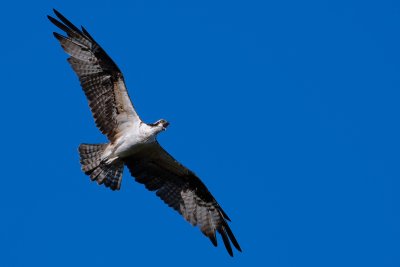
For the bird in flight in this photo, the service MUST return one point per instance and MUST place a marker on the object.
(133, 142)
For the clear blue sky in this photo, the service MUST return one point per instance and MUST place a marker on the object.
(287, 110)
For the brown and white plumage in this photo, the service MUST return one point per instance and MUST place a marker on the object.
(132, 142)
(100, 78)
(182, 190)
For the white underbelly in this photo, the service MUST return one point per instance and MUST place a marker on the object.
(131, 144)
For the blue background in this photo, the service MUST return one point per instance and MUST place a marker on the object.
(287, 110)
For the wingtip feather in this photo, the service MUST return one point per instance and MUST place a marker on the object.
(86, 33)
(58, 36)
(224, 214)
(66, 21)
(232, 238)
(58, 14)
(213, 239)
(225, 239)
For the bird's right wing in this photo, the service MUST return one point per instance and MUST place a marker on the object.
(183, 191)
(100, 78)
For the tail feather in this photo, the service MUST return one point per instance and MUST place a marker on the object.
(108, 174)
(90, 155)
(89, 166)
(89, 148)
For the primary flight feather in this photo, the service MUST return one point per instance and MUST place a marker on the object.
(132, 142)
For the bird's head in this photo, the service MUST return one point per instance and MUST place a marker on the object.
(161, 125)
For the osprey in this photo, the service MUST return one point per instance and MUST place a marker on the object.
(133, 142)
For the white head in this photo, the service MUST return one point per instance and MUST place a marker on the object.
(159, 126)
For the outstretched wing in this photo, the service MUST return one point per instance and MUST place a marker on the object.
(182, 190)
(100, 78)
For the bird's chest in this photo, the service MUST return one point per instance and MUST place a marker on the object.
(132, 142)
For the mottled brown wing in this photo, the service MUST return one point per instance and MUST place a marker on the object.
(182, 190)
(100, 78)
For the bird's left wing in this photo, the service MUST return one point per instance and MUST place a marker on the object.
(183, 191)
(100, 78)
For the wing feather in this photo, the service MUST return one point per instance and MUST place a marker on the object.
(182, 190)
(100, 78)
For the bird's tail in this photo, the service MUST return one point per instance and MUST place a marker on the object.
(108, 174)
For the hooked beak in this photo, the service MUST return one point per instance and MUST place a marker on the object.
(165, 125)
